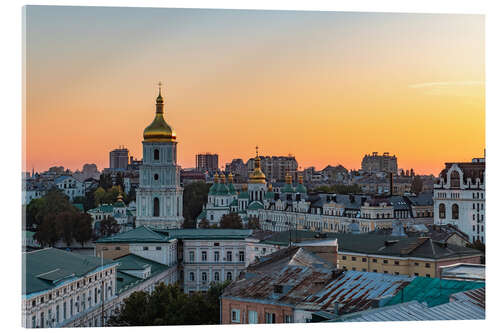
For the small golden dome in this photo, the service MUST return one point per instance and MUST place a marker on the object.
(159, 130)
(257, 176)
(222, 178)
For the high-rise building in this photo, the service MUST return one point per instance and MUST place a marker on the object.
(275, 167)
(159, 196)
(377, 163)
(207, 162)
(118, 158)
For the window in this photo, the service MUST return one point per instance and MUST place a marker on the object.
(65, 312)
(33, 303)
(428, 275)
(416, 274)
(442, 211)
(204, 256)
(270, 318)
(288, 319)
(386, 272)
(242, 256)
(344, 257)
(364, 269)
(204, 276)
(374, 271)
(416, 264)
(229, 276)
(229, 256)
(396, 273)
(191, 256)
(42, 319)
(473, 206)
(253, 317)
(216, 256)
(353, 258)
(363, 260)
(455, 179)
(396, 262)
(385, 261)
(191, 276)
(57, 314)
(145, 248)
(158, 248)
(235, 316)
(33, 321)
(427, 265)
(156, 207)
(216, 276)
(374, 260)
(71, 307)
(454, 211)
(156, 154)
(156, 176)
(95, 295)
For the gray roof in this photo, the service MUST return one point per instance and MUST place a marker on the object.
(415, 311)
(464, 272)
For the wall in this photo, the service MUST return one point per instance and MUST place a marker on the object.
(244, 306)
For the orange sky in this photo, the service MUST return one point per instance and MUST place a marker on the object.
(326, 87)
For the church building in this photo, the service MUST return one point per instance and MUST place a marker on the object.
(159, 196)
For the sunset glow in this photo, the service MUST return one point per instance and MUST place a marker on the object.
(327, 87)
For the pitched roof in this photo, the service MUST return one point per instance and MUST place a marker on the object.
(141, 234)
(432, 291)
(415, 311)
(44, 269)
(254, 205)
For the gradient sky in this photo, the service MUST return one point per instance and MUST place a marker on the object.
(327, 87)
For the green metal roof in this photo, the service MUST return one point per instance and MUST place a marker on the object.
(222, 189)
(213, 189)
(243, 195)
(44, 269)
(119, 204)
(255, 205)
(105, 208)
(202, 215)
(432, 291)
(141, 234)
(301, 188)
(234, 203)
(269, 195)
(288, 189)
(231, 188)
(78, 206)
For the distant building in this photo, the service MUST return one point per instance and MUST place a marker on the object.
(238, 168)
(70, 186)
(275, 167)
(191, 176)
(376, 163)
(460, 198)
(119, 211)
(118, 158)
(207, 162)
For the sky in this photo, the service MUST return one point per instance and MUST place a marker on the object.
(326, 87)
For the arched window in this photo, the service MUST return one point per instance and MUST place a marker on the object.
(156, 176)
(216, 276)
(455, 179)
(156, 154)
(442, 211)
(454, 212)
(229, 276)
(191, 276)
(156, 207)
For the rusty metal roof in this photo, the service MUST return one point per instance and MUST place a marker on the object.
(474, 296)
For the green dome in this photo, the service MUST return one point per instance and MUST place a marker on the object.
(301, 189)
(288, 189)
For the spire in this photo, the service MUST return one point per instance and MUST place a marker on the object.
(159, 100)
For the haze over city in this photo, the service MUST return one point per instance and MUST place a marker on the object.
(327, 87)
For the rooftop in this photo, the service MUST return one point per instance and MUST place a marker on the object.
(464, 272)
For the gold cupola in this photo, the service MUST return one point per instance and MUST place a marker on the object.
(159, 130)
(257, 176)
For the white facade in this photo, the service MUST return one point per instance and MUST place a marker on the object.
(72, 303)
(70, 186)
(460, 201)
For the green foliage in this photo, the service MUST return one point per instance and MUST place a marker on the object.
(105, 181)
(169, 305)
(108, 196)
(48, 233)
(253, 223)
(204, 224)
(82, 230)
(340, 189)
(108, 226)
(195, 195)
(231, 221)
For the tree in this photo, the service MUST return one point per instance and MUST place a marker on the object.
(195, 195)
(253, 223)
(99, 195)
(231, 221)
(204, 224)
(108, 226)
(82, 228)
(47, 233)
(169, 305)
(105, 181)
(65, 223)
(417, 185)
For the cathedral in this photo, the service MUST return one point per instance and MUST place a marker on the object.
(159, 196)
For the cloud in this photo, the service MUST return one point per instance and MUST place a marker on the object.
(453, 88)
(447, 84)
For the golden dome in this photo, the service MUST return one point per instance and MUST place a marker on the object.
(222, 178)
(159, 130)
(230, 178)
(257, 176)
